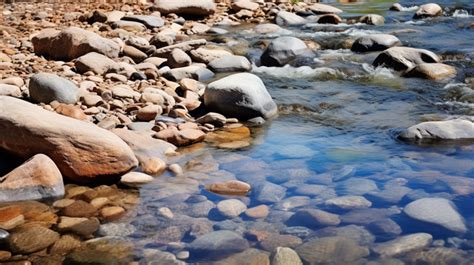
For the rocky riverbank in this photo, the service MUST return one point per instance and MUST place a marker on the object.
(99, 100)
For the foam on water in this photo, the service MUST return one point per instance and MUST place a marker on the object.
(409, 8)
(288, 71)
(461, 13)
(378, 72)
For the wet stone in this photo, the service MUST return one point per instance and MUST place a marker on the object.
(231, 208)
(348, 202)
(218, 243)
(312, 218)
(357, 233)
(385, 229)
(269, 192)
(285, 256)
(79, 208)
(403, 244)
(271, 242)
(31, 238)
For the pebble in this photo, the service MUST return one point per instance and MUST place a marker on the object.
(79, 208)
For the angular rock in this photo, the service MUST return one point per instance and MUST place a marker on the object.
(331, 250)
(38, 178)
(186, 7)
(149, 21)
(402, 58)
(242, 96)
(218, 243)
(282, 50)
(285, 18)
(432, 71)
(375, 42)
(403, 244)
(428, 10)
(438, 211)
(82, 151)
(456, 129)
(45, 88)
(31, 238)
(230, 63)
(72, 43)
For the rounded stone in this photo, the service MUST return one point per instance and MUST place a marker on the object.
(45, 88)
(231, 208)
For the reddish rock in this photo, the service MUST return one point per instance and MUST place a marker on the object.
(231, 187)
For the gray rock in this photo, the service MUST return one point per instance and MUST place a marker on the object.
(402, 58)
(355, 232)
(375, 42)
(331, 250)
(231, 208)
(218, 243)
(314, 218)
(348, 202)
(116, 229)
(456, 129)
(45, 88)
(437, 211)
(243, 96)
(285, 256)
(390, 195)
(285, 18)
(269, 192)
(428, 10)
(185, 7)
(403, 244)
(356, 186)
(368, 215)
(149, 21)
(194, 72)
(372, 19)
(385, 229)
(319, 8)
(282, 50)
(95, 62)
(230, 63)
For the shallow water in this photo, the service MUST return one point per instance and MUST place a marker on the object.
(335, 135)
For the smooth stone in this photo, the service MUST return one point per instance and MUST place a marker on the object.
(31, 238)
(267, 28)
(242, 96)
(185, 7)
(368, 215)
(193, 71)
(433, 71)
(95, 62)
(71, 43)
(230, 63)
(45, 88)
(131, 26)
(116, 229)
(285, 256)
(13, 80)
(437, 211)
(372, 19)
(456, 129)
(313, 218)
(257, 212)
(135, 179)
(396, 7)
(230, 187)
(213, 118)
(356, 186)
(403, 58)
(354, 232)
(385, 229)
(269, 192)
(82, 151)
(36, 179)
(178, 58)
(428, 10)
(80, 226)
(4, 235)
(149, 21)
(403, 244)
(10, 90)
(104, 250)
(282, 50)
(331, 250)
(285, 18)
(319, 8)
(249, 256)
(231, 208)
(149, 113)
(272, 241)
(348, 202)
(112, 213)
(65, 244)
(134, 53)
(329, 19)
(207, 54)
(218, 243)
(375, 42)
(79, 208)
(244, 5)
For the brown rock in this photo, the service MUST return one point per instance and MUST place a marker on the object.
(112, 213)
(82, 151)
(329, 19)
(231, 187)
(65, 245)
(256, 212)
(149, 113)
(31, 238)
(434, 71)
(71, 111)
(79, 208)
(81, 226)
(250, 256)
(178, 58)
(5, 255)
(153, 166)
(11, 217)
(275, 240)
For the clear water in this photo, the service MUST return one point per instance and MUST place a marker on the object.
(335, 135)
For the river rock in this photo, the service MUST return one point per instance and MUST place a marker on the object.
(218, 243)
(256, 212)
(82, 151)
(231, 208)
(354, 232)
(319, 8)
(269, 193)
(249, 256)
(95, 62)
(135, 179)
(242, 96)
(45, 88)
(72, 43)
(331, 250)
(38, 178)
(149, 21)
(178, 58)
(186, 7)
(282, 50)
(230, 187)
(31, 238)
(432, 71)
(385, 228)
(329, 19)
(403, 244)
(196, 72)
(348, 202)
(230, 63)
(438, 211)
(396, 7)
(313, 218)
(372, 19)
(130, 26)
(285, 18)
(134, 53)
(78, 225)
(402, 58)
(104, 250)
(10, 90)
(456, 129)
(375, 42)
(285, 256)
(244, 5)
(208, 54)
(428, 10)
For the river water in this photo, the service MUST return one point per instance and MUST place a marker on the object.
(336, 135)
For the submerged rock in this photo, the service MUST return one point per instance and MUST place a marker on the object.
(285, 256)
(372, 19)
(45, 88)
(31, 238)
(243, 96)
(313, 218)
(332, 250)
(282, 50)
(231, 208)
(456, 129)
(231, 187)
(402, 58)
(82, 151)
(38, 178)
(431, 71)
(403, 244)
(218, 243)
(375, 42)
(438, 211)
(428, 10)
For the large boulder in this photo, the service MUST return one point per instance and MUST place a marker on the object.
(456, 129)
(375, 42)
(186, 7)
(285, 18)
(45, 88)
(72, 43)
(428, 10)
(432, 71)
(37, 179)
(242, 96)
(282, 50)
(402, 58)
(81, 150)
(438, 211)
